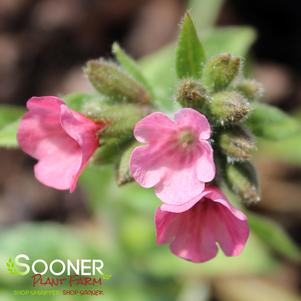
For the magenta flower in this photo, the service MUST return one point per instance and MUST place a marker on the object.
(194, 234)
(177, 159)
(61, 139)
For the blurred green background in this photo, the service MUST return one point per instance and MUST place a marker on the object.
(43, 45)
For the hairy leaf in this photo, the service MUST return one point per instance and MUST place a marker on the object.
(190, 55)
(131, 66)
(271, 123)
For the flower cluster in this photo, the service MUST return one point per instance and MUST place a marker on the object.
(187, 160)
(177, 160)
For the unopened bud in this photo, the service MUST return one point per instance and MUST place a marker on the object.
(228, 107)
(242, 179)
(119, 119)
(110, 80)
(191, 94)
(237, 144)
(123, 171)
(220, 71)
(109, 151)
(251, 89)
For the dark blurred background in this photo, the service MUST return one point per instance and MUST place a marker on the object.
(45, 43)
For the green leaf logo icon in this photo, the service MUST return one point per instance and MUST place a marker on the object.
(11, 267)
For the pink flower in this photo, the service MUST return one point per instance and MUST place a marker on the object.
(61, 139)
(177, 159)
(194, 234)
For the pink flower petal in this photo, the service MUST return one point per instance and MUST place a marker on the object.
(146, 166)
(39, 126)
(186, 234)
(189, 118)
(194, 233)
(61, 139)
(60, 169)
(149, 163)
(178, 208)
(179, 186)
(153, 126)
(233, 233)
(205, 166)
(44, 105)
(83, 131)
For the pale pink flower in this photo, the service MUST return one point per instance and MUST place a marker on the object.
(61, 139)
(195, 233)
(177, 159)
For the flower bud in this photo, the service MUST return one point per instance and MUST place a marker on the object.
(237, 144)
(109, 151)
(110, 80)
(220, 71)
(251, 89)
(119, 119)
(123, 171)
(228, 107)
(242, 179)
(191, 94)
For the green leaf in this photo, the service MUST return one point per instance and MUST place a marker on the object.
(159, 69)
(235, 40)
(190, 54)
(8, 134)
(274, 236)
(87, 104)
(10, 113)
(131, 66)
(205, 12)
(76, 101)
(9, 122)
(271, 123)
(286, 152)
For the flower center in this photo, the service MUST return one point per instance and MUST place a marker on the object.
(186, 139)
